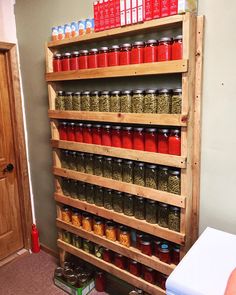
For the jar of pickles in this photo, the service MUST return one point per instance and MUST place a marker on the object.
(87, 222)
(98, 160)
(115, 101)
(164, 101)
(88, 246)
(117, 169)
(76, 101)
(110, 231)
(98, 196)
(151, 176)
(139, 208)
(128, 205)
(124, 237)
(104, 101)
(81, 191)
(85, 101)
(74, 189)
(66, 237)
(94, 101)
(76, 241)
(80, 162)
(98, 227)
(127, 175)
(163, 214)
(139, 174)
(163, 178)
(117, 201)
(174, 182)
(89, 191)
(150, 101)
(151, 211)
(65, 159)
(72, 160)
(176, 101)
(107, 167)
(59, 101)
(65, 185)
(126, 101)
(89, 163)
(66, 214)
(174, 218)
(107, 196)
(138, 101)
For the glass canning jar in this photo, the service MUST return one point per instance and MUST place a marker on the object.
(83, 59)
(65, 159)
(107, 255)
(107, 196)
(94, 101)
(113, 56)
(126, 101)
(71, 131)
(120, 261)
(89, 192)
(117, 169)
(57, 62)
(150, 51)
(127, 172)
(103, 57)
(80, 162)
(139, 173)
(125, 54)
(139, 208)
(98, 160)
(65, 186)
(74, 61)
(98, 226)
(74, 189)
(89, 163)
(149, 275)
(98, 196)
(66, 61)
(62, 128)
(150, 101)
(76, 101)
(175, 257)
(87, 133)
(163, 213)
(81, 191)
(106, 135)
(138, 139)
(97, 134)
(66, 237)
(117, 201)
(73, 160)
(137, 52)
(150, 140)
(93, 58)
(87, 222)
(138, 101)
(146, 245)
(164, 101)
(79, 132)
(151, 176)
(177, 48)
(164, 252)
(66, 214)
(164, 49)
(77, 242)
(174, 182)
(135, 269)
(85, 101)
(76, 217)
(176, 101)
(127, 137)
(107, 167)
(116, 136)
(104, 101)
(174, 218)
(68, 100)
(59, 101)
(124, 237)
(151, 211)
(174, 142)
(128, 204)
(115, 101)
(163, 178)
(163, 141)
(110, 230)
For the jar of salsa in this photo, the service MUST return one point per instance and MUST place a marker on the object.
(120, 261)
(137, 52)
(98, 227)
(162, 280)
(66, 61)
(93, 58)
(164, 252)
(177, 48)
(163, 141)
(74, 61)
(124, 237)
(146, 246)
(103, 57)
(87, 133)
(125, 54)
(100, 281)
(164, 49)
(149, 275)
(106, 135)
(57, 62)
(138, 139)
(83, 59)
(110, 231)
(97, 134)
(134, 268)
(157, 244)
(71, 131)
(79, 132)
(113, 56)
(175, 257)
(150, 140)
(174, 142)
(127, 137)
(150, 51)
(87, 222)
(63, 131)
(107, 255)
(116, 136)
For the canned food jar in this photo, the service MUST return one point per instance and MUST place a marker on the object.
(80, 162)
(59, 101)
(98, 196)
(125, 54)
(97, 134)
(174, 182)
(139, 208)
(115, 101)
(128, 205)
(57, 62)
(164, 51)
(110, 231)
(139, 237)
(127, 171)
(150, 51)
(83, 59)
(150, 140)
(157, 244)
(163, 214)
(66, 61)
(62, 128)
(64, 159)
(174, 218)
(116, 136)
(120, 261)
(177, 48)
(113, 56)
(139, 173)
(164, 101)
(88, 246)
(93, 58)
(124, 237)
(127, 137)
(65, 186)
(87, 133)
(150, 101)
(94, 101)
(151, 176)
(74, 61)
(164, 252)
(106, 135)
(103, 57)
(118, 201)
(67, 31)
(107, 196)
(134, 268)
(79, 132)
(68, 100)
(76, 101)
(98, 160)
(162, 280)
(74, 189)
(138, 101)
(107, 255)
(85, 101)
(151, 211)
(81, 191)
(163, 178)
(66, 237)
(163, 141)
(149, 275)
(107, 167)
(117, 169)
(71, 131)
(76, 241)
(89, 163)
(175, 257)
(104, 101)
(137, 52)
(87, 222)
(146, 246)
(89, 192)
(138, 139)
(98, 227)
(66, 214)
(126, 101)
(72, 160)
(176, 101)
(100, 281)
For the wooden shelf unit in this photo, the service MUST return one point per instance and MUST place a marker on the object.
(188, 162)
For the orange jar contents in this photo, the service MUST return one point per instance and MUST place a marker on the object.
(124, 237)
(76, 217)
(111, 231)
(98, 227)
(66, 214)
(87, 222)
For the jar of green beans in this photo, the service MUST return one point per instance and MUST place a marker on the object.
(138, 101)
(94, 101)
(126, 101)
(76, 101)
(68, 100)
(150, 101)
(104, 101)
(164, 101)
(85, 101)
(115, 101)
(59, 101)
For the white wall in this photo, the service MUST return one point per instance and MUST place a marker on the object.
(7, 21)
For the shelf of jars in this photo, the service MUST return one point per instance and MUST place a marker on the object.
(112, 269)
(130, 252)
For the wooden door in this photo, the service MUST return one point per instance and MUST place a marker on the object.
(11, 238)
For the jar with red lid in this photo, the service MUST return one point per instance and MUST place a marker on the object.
(157, 244)
(175, 256)
(137, 52)
(97, 134)
(127, 137)
(134, 268)
(164, 49)
(150, 51)
(71, 131)
(164, 252)
(83, 59)
(107, 255)
(87, 133)
(79, 132)
(106, 135)
(100, 281)
(139, 237)
(125, 54)
(175, 142)
(120, 261)
(151, 140)
(116, 136)
(138, 139)
(163, 141)
(177, 48)
(113, 56)
(103, 57)
(66, 61)
(146, 246)
(74, 61)
(62, 128)
(57, 62)
(93, 58)
(149, 275)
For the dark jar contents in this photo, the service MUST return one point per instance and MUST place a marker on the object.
(127, 137)
(137, 52)
(138, 139)
(93, 58)
(97, 134)
(113, 56)
(150, 51)
(163, 178)
(107, 167)
(73, 160)
(128, 205)
(89, 192)
(83, 59)
(162, 281)
(107, 197)
(65, 159)
(163, 141)
(68, 101)
(81, 191)
(174, 185)
(71, 131)
(134, 268)
(103, 57)
(74, 189)
(139, 237)
(177, 48)
(107, 255)
(59, 101)
(116, 136)
(151, 211)
(98, 160)
(176, 101)
(66, 61)
(157, 244)
(106, 135)
(65, 185)
(117, 201)
(146, 246)
(79, 132)
(117, 169)
(57, 62)
(89, 163)
(151, 176)
(100, 281)
(98, 196)
(87, 133)
(151, 140)
(174, 218)
(139, 208)
(163, 214)
(174, 142)
(125, 54)
(164, 49)
(175, 257)
(74, 61)
(120, 261)
(164, 253)
(62, 128)
(149, 275)
(139, 173)
(127, 171)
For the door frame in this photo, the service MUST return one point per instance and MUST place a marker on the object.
(14, 88)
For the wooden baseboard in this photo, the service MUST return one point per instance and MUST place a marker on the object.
(14, 257)
(49, 250)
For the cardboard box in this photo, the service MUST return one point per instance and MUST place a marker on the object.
(122, 13)
(117, 13)
(165, 8)
(134, 13)
(187, 6)
(141, 13)
(73, 290)
(112, 13)
(128, 17)
(156, 9)
(148, 9)
(101, 15)
(106, 15)
(96, 16)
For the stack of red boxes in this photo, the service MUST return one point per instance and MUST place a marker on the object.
(110, 14)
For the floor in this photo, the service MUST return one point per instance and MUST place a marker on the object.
(31, 275)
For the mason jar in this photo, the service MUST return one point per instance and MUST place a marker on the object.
(127, 173)
(59, 101)
(98, 196)
(139, 208)
(94, 101)
(65, 159)
(126, 101)
(117, 201)
(104, 101)
(98, 160)
(174, 218)
(89, 163)
(117, 169)
(163, 214)
(164, 101)
(115, 101)
(81, 162)
(85, 101)
(89, 192)
(150, 101)
(174, 182)
(139, 173)
(76, 101)
(138, 101)
(107, 167)
(128, 204)
(81, 191)
(151, 176)
(68, 101)
(151, 211)
(163, 178)
(107, 198)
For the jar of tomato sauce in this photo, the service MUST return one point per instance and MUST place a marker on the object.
(146, 246)
(119, 261)
(113, 56)
(150, 51)
(79, 132)
(164, 49)
(74, 61)
(125, 54)
(83, 59)
(137, 52)
(151, 140)
(97, 134)
(163, 141)
(177, 48)
(175, 142)
(107, 255)
(157, 244)
(106, 135)
(103, 57)
(66, 61)
(87, 133)
(127, 137)
(57, 62)
(100, 281)
(175, 257)
(138, 139)
(71, 131)
(62, 128)
(162, 280)
(149, 275)
(139, 237)
(116, 136)
(134, 268)
(93, 58)
(164, 252)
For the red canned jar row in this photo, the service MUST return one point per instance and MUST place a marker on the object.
(139, 52)
(165, 141)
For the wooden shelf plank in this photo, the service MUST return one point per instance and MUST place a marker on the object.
(111, 268)
(147, 119)
(141, 225)
(130, 252)
(129, 188)
(156, 68)
(114, 33)
(148, 157)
